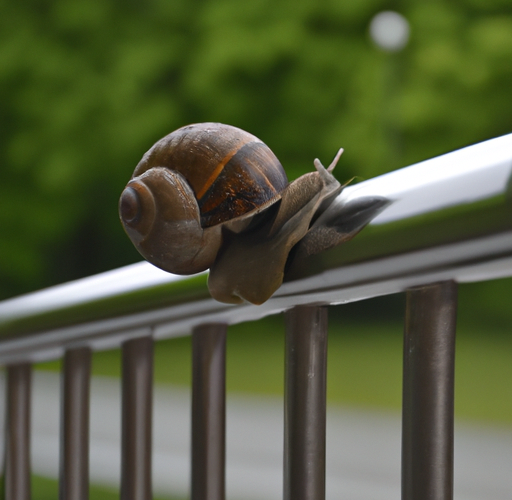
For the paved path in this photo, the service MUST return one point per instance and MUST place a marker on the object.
(363, 452)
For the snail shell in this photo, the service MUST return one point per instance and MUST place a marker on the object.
(191, 184)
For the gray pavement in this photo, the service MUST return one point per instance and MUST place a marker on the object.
(363, 448)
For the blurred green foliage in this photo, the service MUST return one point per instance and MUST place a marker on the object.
(87, 86)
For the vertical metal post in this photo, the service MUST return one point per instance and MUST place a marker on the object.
(74, 443)
(208, 412)
(137, 411)
(305, 403)
(17, 442)
(428, 392)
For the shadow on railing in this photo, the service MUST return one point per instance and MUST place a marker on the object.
(449, 221)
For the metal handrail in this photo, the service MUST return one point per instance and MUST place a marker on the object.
(449, 219)
(444, 221)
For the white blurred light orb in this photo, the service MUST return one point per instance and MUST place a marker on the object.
(389, 30)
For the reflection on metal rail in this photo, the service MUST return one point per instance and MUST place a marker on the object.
(449, 221)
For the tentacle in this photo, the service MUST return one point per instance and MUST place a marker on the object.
(334, 162)
(326, 173)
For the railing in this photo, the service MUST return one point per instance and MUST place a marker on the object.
(449, 221)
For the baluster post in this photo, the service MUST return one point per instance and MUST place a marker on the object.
(305, 403)
(428, 392)
(17, 430)
(137, 412)
(74, 442)
(208, 412)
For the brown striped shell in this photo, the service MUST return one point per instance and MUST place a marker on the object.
(230, 171)
(188, 185)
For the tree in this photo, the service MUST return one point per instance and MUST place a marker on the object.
(88, 86)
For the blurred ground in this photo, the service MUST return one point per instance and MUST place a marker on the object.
(363, 452)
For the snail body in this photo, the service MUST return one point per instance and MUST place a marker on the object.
(214, 196)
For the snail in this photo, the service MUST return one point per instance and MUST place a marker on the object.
(210, 195)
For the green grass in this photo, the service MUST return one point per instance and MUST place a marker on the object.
(364, 365)
(48, 489)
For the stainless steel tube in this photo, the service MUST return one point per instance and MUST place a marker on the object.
(449, 219)
(74, 454)
(137, 411)
(305, 403)
(17, 442)
(208, 412)
(428, 392)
